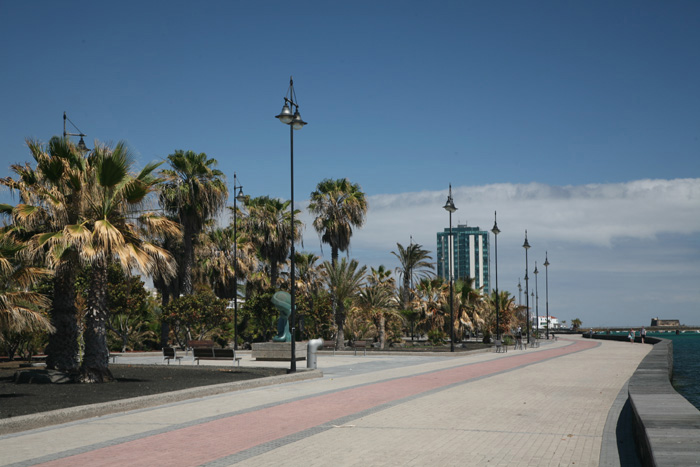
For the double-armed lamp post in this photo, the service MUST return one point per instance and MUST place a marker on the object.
(546, 289)
(496, 231)
(450, 207)
(290, 116)
(526, 245)
(537, 302)
(238, 197)
(81, 144)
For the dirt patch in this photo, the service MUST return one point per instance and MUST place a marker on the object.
(130, 381)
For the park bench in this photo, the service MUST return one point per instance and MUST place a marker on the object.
(500, 347)
(329, 345)
(211, 353)
(170, 354)
(362, 344)
(206, 343)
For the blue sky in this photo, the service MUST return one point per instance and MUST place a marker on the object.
(578, 121)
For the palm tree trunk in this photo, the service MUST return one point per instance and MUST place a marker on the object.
(382, 331)
(334, 255)
(188, 260)
(274, 274)
(340, 322)
(64, 348)
(95, 362)
(405, 297)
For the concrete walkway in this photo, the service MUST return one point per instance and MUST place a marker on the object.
(537, 407)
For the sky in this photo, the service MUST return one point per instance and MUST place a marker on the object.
(576, 121)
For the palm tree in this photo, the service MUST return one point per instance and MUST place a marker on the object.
(194, 193)
(20, 308)
(51, 198)
(470, 307)
(344, 280)
(415, 265)
(268, 226)
(107, 234)
(381, 276)
(506, 307)
(432, 295)
(376, 301)
(338, 206)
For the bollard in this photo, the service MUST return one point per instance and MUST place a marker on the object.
(311, 349)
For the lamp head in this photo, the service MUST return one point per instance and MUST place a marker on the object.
(286, 115)
(450, 204)
(297, 122)
(526, 245)
(81, 145)
(240, 196)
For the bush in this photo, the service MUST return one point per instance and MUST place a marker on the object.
(436, 337)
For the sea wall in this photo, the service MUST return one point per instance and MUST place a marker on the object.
(666, 425)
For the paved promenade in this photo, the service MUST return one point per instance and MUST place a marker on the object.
(537, 407)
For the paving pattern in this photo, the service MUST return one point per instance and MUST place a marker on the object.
(545, 406)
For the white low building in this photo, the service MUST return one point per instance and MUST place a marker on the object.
(553, 322)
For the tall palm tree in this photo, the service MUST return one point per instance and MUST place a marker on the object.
(344, 280)
(194, 192)
(108, 233)
(415, 265)
(217, 258)
(268, 226)
(52, 196)
(338, 206)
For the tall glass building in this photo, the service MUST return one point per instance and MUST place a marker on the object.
(471, 255)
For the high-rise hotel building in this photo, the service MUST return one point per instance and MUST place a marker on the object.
(471, 255)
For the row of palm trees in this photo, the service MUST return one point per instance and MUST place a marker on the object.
(79, 209)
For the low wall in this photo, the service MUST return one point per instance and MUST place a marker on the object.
(666, 425)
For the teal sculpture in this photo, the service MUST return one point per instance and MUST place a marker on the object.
(283, 303)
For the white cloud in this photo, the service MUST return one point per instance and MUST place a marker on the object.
(611, 245)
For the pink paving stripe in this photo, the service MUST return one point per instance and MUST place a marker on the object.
(213, 440)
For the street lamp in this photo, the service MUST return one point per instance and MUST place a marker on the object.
(450, 207)
(295, 123)
(81, 144)
(526, 245)
(546, 289)
(537, 302)
(238, 197)
(496, 231)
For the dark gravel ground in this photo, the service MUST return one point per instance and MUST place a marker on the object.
(130, 381)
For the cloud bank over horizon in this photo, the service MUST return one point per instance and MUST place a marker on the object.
(630, 248)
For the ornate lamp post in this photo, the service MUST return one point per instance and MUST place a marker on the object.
(526, 245)
(81, 144)
(238, 197)
(295, 123)
(496, 231)
(537, 302)
(450, 207)
(546, 289)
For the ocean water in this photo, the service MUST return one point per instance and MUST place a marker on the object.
(686, 363)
